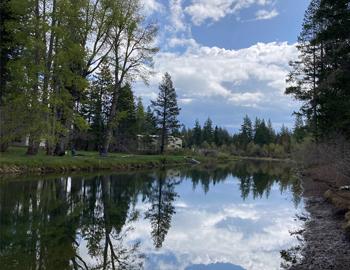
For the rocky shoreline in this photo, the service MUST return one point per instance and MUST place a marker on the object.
(326, 243)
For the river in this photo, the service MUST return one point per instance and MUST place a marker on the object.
(233, 217)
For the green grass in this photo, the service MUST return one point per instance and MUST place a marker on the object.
(15, 160)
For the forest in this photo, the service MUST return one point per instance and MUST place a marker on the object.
(68, 68)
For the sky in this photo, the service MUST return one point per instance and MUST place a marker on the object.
(227, 58)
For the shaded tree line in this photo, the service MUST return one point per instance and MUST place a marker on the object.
(320, 77)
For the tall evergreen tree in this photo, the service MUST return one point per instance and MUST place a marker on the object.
(262, 133)
(140, 117)
(166, 110)
(208, 132)
(246, 132)
(284, 138)
(299, 130)
(150, 122)
(197, 134)
(334, 85)
(125, 131)
(304, 78)
(320, 77)
(97, 104)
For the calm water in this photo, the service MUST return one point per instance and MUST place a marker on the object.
(232, 218)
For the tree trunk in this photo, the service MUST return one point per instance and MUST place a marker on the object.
(109, 130)
(162, 142)
(34, 137)
(33, 146)
(60, 149)
(4, 146)
(163, 128)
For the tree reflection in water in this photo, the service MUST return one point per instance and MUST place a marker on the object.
(83, 222)
(162, 196)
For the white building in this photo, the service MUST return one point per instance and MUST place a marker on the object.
(151, 143)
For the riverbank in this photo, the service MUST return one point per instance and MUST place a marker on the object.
(326, 242)
(15, 161)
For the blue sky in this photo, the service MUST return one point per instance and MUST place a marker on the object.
(227, 58)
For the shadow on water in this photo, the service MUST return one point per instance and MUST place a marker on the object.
(84, 222)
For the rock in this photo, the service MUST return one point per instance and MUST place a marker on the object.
(340, 199)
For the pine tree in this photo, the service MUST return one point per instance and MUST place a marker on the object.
(140, 117)
(150, 122)
(125, 131)
(98, 103)
(285, 138)
(166, 109)
(334, 85)
(208, 131)
(262, 133)
(304, 78)
(246, 132)
(217, 136)
(299, 130)
(197, 134)
(272, 135)
(320, 78)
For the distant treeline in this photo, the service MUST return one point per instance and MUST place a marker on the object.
(253, 139)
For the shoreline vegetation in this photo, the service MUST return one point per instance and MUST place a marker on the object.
(15, 161)
(324, 171)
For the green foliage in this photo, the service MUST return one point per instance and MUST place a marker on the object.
(166, 109)
(320, 77)
(246, 132)
(208, 132)
(55, 59)
(260, 141)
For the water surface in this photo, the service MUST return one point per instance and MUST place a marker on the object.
(229, 218)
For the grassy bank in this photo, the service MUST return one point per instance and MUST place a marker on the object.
(16, 161)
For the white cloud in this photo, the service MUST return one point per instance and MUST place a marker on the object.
(202, 10)
(177, 16)
(150, 6)
(265, 14)
(247, 234)
(185, 101)
(182, 42)
(210, 72)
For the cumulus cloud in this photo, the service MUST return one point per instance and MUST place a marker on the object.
(202, 72)
(177, 16)
(265, 14)
(182, 42)
(202, 10)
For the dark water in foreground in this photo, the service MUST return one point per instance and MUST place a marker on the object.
(232, 218)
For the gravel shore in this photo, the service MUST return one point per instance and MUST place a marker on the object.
(325, 243)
